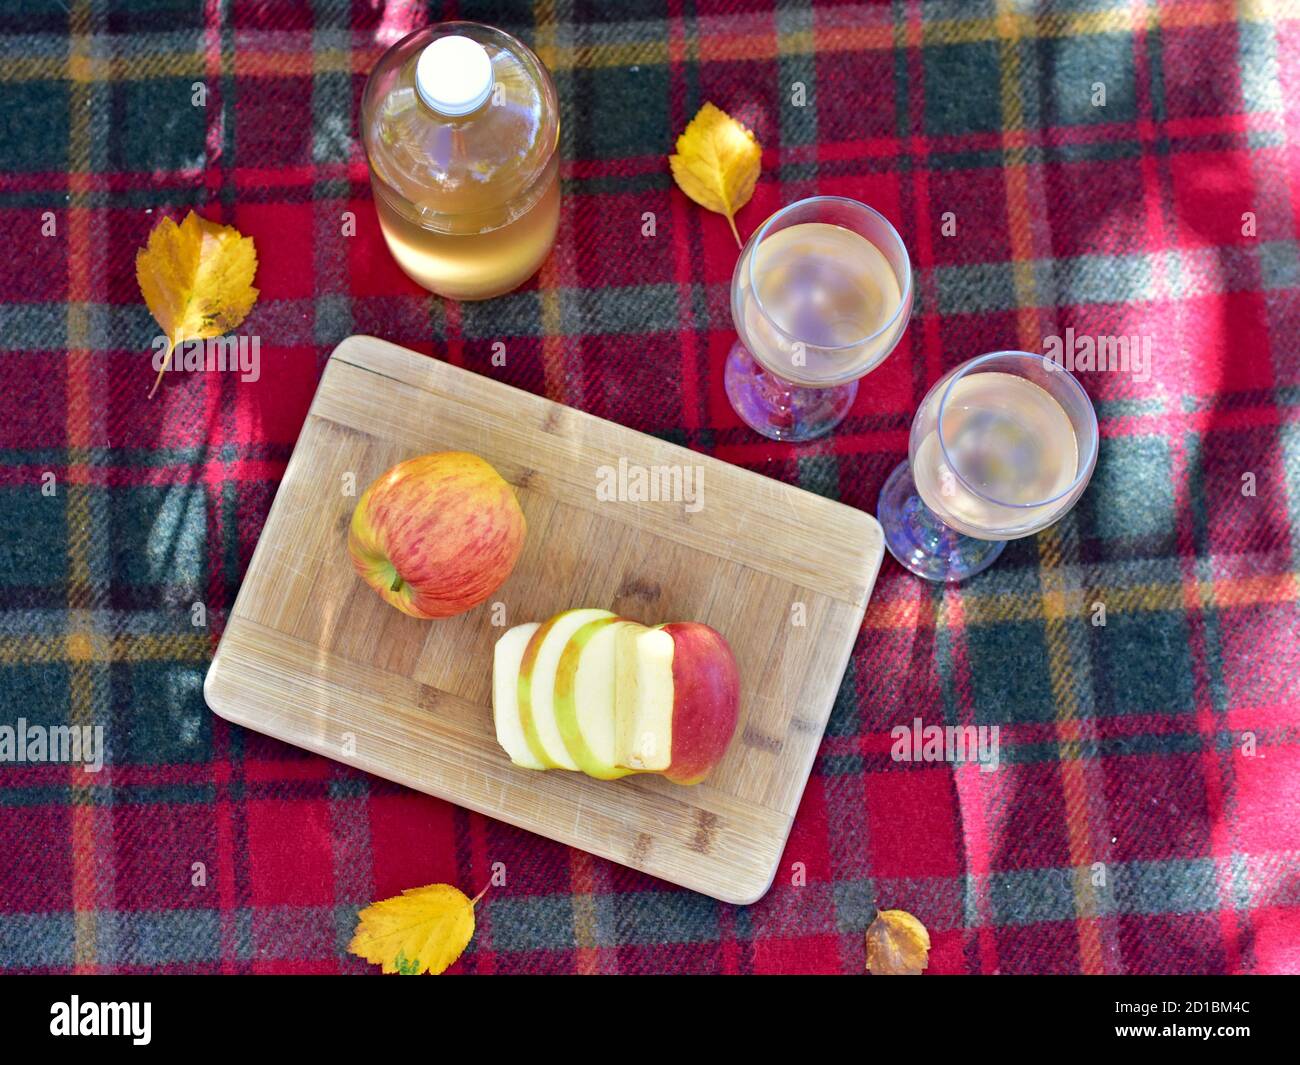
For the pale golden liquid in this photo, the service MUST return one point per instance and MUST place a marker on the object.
(822, 289)
(1012, 441)
(475, 266)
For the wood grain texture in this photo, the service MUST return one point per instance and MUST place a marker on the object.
(312, 656)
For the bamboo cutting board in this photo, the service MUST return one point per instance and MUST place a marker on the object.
(312, 656)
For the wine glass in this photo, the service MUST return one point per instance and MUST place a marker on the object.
(820, 295)
(1001, 447)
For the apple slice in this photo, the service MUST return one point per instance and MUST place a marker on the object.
(678, 700)
(584, 696)
(644, 719)
(506, 659)
(537, 686)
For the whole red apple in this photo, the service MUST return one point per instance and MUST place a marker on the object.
(436, 535)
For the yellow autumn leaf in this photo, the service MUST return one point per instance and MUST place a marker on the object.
(897, 944)
(717, 163)
(421, 930)
(196, 279)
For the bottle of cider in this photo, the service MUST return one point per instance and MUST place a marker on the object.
(460, 124)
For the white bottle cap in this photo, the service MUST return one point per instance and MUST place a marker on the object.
(454, 75)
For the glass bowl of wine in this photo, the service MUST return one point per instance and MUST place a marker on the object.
(1001, 447)
(821, 294)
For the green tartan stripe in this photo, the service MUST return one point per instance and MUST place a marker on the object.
(106, 797)
(626, 42)
(182, 459)
(47, 623)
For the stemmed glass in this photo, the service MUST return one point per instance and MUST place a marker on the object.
(1001, 447)
(820, 296)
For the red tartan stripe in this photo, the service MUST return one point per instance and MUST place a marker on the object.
(252, 180)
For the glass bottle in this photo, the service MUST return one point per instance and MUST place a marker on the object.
(460, 124)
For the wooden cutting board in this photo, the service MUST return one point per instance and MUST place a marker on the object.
(312, 656)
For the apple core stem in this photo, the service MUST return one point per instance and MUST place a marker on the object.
(396, 586)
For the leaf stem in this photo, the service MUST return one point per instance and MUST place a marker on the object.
(731, 221)
(474, 900)
(171, 346)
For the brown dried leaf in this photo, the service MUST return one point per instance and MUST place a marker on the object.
(897, 944)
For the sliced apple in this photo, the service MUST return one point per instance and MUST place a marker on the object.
(584, 696)
(506, 659)
(678, 700)
(644, 720)
(536, 686)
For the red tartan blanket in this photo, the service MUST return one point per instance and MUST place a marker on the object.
(1145, 816)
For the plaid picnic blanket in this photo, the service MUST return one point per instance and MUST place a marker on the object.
(1058, 170)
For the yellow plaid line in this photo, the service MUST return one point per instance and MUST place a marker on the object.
(81, 681)
(1062, 604)
(1016, 173)
(1075, 785)
(82, 648)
